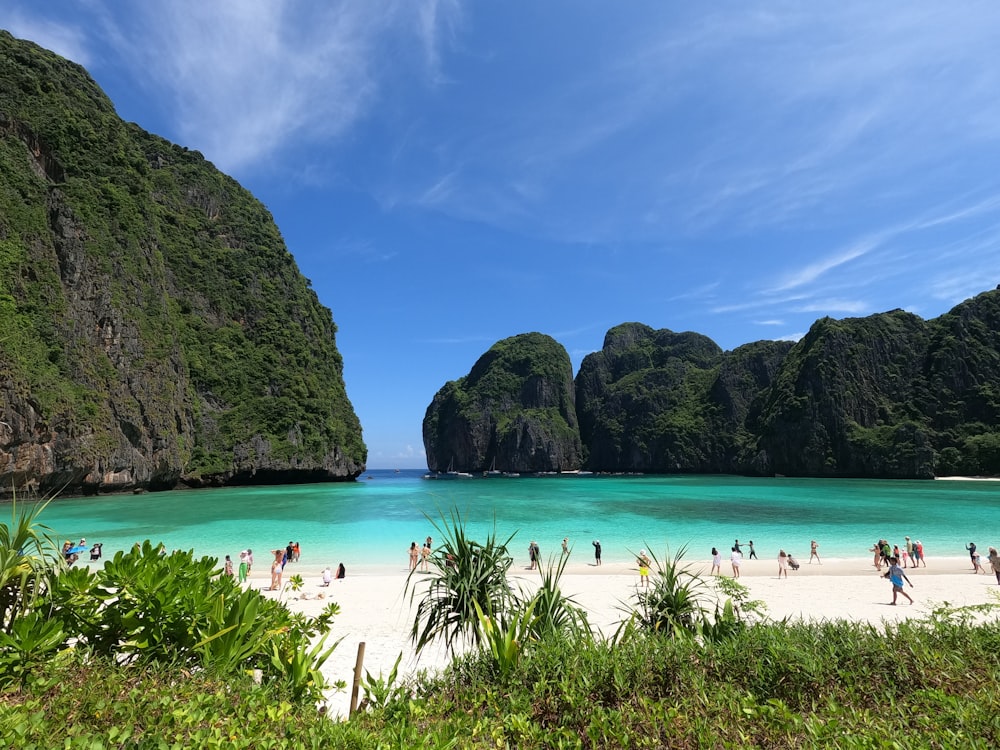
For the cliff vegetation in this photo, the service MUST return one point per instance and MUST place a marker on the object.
(154, 328)
(888, 396)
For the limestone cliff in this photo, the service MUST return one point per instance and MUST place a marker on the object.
(890, 396)
(154, 328)
(513, 412)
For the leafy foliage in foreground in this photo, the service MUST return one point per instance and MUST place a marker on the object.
(769, 685)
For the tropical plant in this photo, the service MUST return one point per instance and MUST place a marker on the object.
(672, 603)
(554, 612)
(28, 559)
(147, 607)
(464, 573)
(505, 642)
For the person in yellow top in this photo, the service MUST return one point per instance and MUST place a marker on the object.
(643, 562)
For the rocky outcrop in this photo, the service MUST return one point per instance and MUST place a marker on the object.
(154, 329)
(890, 396)
(513, 412)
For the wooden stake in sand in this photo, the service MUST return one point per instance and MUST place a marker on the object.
(357, 678)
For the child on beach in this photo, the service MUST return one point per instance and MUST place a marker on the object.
(896, 576)
(328, 575)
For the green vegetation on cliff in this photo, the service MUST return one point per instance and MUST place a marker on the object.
(514, 411)
(153, 324)
(889, 395)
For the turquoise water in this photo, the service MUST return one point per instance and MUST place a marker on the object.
(370, 523)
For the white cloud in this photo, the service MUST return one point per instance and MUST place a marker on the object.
(828, 306)
(63, 39)
(247, 79)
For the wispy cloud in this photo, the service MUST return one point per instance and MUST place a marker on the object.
(814, 270)
(64, 39)
(245, 80)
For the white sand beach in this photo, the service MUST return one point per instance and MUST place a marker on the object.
(375, 611)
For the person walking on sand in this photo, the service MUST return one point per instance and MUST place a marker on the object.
(597, 551)
(736, 559)
(782, 564)
(994, 560)
(918, 548)
(716, 563)
(896, 576)
(643, 562)
(813, 552)
(971, 546)
(909, 553)
(738, 547)
(978, 565)
(414, 555)
(753, 552)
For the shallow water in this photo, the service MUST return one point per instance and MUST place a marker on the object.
(370, 523)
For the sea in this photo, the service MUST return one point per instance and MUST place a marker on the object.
(369, 524)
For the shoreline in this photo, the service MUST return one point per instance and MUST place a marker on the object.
(377, 610)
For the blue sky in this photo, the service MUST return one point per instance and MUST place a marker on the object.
(452, 173)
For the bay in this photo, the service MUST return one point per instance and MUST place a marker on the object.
(369, 524)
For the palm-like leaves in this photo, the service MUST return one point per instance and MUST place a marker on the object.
(28, 558)
(464, 573)
(672, 602)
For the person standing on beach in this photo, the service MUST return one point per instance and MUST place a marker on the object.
(994, 559)
(971, 546)
(782, 564)
(277, 566)
(425, 557)
(565, 545)
(244, 566)
(918, 550)
(597, 551)
(643, 562)
(533, 554)
(813, 552)
(736, 559)
(228, 568)
(896, 576)
(909, 553)
(737, 547)
(753, 552)
(414, 555)
(716, 563)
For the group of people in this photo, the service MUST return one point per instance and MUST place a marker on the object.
(910, 556)
(785, 559)
(993, 558)
(71, 552)
(422, 556)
